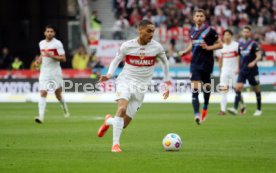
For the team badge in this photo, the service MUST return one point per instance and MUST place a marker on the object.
(142, 55)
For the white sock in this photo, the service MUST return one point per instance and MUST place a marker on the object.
(41, 107)
(117, 129)
(63, 104)
(110, 121)
(223, 102)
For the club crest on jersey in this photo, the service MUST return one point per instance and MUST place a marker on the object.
(142, 55)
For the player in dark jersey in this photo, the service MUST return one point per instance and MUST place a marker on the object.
(204, 40)
(249, 56)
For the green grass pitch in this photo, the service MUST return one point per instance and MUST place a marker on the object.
(244, 144)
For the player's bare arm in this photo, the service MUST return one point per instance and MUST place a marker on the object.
(258, 58)
(165, 65)
(38, 61)
(112, 67)
(187, 50)
(218, 45)
(166, 93)
(104, 78)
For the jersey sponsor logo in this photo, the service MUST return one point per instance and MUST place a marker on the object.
(232, 54)
(50, 51)
(198, 42)
(245, 52)
(138, 61)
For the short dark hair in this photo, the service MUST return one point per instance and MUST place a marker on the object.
(247, 27)
(229, 31)
(144, 23)
(200, 10)
(50, 27)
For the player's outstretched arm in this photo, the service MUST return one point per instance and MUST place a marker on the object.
(113, 65)
(187, 50)
(165, 65)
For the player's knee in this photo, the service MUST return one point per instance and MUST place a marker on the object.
(58, 96)
(43, 93)
(122, 110)
(256, 88)
(223, 89)
(238, 89)
(127, 120)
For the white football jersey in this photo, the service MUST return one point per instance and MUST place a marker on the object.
(229, 54)
(139, 61)
(50, 67)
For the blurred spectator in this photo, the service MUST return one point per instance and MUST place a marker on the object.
(270, 36)
(80, 59)
(149, 17)
(172, 54)
(33, 64)
(17, 64)
(94, 21)
(95, 74)
(135, 17)
(160, 18)
(264, 17)
(120, 27)
(94, 62)
(5, 59)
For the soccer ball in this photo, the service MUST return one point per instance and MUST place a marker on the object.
(172, 142)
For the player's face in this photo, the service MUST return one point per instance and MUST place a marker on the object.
(227, 37)
(49, 33)
(246, 33)
(146, 33)
(199, 18)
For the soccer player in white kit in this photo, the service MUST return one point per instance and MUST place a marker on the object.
(229, 68)
(50, 78)
(140, 56)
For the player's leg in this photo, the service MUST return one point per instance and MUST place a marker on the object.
(134, 105)
(196, 86)
(223, 88)
(41, 106)
(206, 78)
(257, 91)
(238, 90)
(243, 106)
(118, 124)
(125, 113)
(60, 98)
(242, 103)
(109, 121)
(254, 81)
(123, 95)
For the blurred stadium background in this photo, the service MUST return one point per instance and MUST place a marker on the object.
(92, 31)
